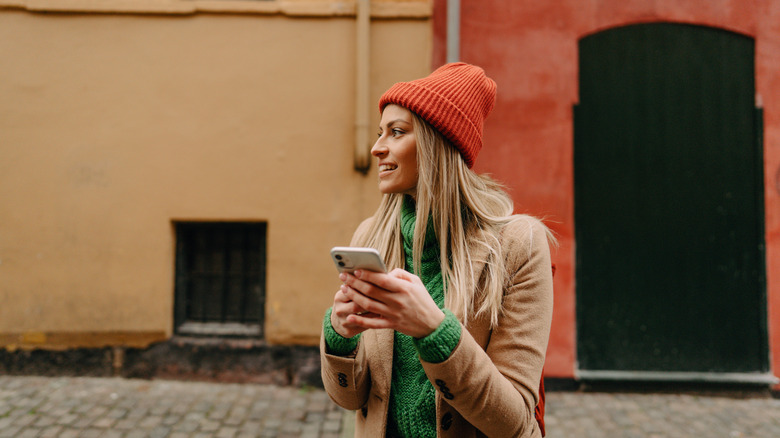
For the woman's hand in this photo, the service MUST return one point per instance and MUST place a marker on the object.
(397, 300)
(342, 308)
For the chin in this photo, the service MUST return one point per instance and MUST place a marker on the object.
(387, 189)
(398, 191)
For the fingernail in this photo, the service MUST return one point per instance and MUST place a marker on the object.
(358, 273)
(343, 277)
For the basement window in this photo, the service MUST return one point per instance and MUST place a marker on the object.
(220, 278)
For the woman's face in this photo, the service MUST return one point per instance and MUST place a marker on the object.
(396, 150)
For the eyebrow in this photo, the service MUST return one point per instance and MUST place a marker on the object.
(393, 122)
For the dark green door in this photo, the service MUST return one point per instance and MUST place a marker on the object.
(669, 202)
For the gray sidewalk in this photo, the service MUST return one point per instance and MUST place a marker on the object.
(114, 407)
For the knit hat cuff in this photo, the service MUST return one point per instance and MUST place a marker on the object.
(441, 113)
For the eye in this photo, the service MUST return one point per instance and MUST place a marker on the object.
(397, 132)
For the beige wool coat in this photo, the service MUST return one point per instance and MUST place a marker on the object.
(489, 384)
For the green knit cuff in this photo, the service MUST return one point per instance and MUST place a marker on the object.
(438, 346)
(337, 345)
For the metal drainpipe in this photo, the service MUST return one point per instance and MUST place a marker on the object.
(362, 146)
(453, 30)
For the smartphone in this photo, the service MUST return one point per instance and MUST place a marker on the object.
(347, 259)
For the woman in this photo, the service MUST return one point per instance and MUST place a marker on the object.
(450, 342)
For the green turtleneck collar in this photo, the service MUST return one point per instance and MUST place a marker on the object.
(430, 253)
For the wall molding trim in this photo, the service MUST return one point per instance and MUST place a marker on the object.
(305, 8)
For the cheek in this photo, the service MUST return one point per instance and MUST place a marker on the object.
(410, 156)
(412, 174)
(413, 165)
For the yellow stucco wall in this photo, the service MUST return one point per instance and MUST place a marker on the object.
(112, 126)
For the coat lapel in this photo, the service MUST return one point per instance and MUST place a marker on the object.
(382, 363)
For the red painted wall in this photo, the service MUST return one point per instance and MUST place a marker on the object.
(530, 48)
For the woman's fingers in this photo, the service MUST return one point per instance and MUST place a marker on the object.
(364, 302)
(340, 319)
(344, 306)
(369, 321)
(366, 290)
(397, 300)
(385, 294)
(377, 286)
(399, 297)
(394, 281)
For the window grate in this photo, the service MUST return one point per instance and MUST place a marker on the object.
(220, 278)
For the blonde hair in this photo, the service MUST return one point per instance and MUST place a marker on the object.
(467, 210)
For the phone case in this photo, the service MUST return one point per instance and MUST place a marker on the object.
(347, 259)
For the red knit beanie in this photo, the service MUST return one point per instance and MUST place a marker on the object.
(455, 99)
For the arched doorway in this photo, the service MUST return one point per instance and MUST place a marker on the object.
(669, 205)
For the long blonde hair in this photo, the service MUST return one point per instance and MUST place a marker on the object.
(467, 210)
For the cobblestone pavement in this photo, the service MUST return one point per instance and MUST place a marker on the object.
(626, 415)
(101, 407)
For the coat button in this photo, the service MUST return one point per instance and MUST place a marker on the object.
(342, 380)
(446, 421)
(444, 390)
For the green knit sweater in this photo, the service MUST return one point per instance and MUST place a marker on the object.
(412, 410)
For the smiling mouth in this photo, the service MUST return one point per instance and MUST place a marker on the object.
(386, 167)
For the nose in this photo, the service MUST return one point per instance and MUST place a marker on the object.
(379, 149)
